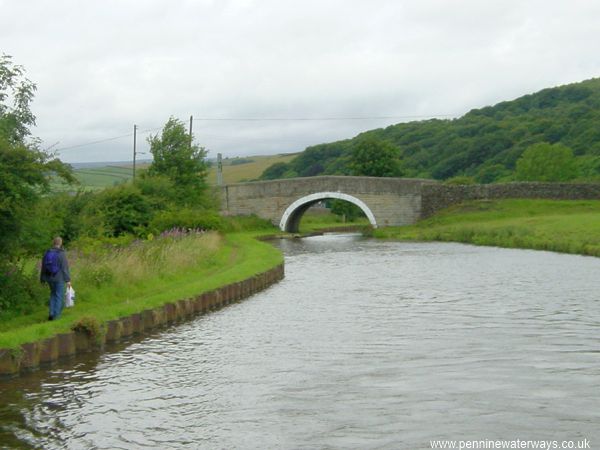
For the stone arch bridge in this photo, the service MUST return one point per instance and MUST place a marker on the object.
(385, 201)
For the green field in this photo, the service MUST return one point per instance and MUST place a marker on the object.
(96, 178)
(235, 170)
(557, 225)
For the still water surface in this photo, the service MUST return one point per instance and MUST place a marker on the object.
(365, 344)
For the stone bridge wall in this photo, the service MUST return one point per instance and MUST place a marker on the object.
(393, 201)
(439, 196)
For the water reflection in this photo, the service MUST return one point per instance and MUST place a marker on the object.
(365, 344)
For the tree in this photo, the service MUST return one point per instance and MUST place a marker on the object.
(348, 211)
(16, 93)
(25, 224)
(374, 158)
(24, 169)
(177, 158)
(23, 180)
(546, 162)
(275, 171)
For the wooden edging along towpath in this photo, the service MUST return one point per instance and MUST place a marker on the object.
(33, 355)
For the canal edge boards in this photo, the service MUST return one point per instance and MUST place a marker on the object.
(33, 355)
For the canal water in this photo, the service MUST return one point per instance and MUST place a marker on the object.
(365, 344)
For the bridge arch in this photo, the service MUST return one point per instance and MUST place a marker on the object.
(290, 220)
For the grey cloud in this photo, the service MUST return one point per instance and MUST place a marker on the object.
(103, 66)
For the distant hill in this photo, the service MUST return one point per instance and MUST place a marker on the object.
(100, 175)
(92, 165)
(484, 144)
(248, 168)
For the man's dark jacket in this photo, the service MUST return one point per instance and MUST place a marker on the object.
(63, 273)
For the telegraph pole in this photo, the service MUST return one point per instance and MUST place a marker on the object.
(134, 152)
(219, 170)
(191, 121)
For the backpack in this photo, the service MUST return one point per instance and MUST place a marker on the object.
(50, 263)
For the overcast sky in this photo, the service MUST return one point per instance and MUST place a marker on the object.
(103, 66)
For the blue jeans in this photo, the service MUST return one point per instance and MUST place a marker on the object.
(57, 293)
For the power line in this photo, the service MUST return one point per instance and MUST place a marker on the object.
(114, 138)
(316, 119)
(257, 119)
(94, 142)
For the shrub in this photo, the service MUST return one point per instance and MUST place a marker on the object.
(159, 189)
(125, 210)
(20, 291)
(186, 218)
(90, 326)
(82, 216)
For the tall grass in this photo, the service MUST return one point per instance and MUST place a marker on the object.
(119, 282)
(144, 260)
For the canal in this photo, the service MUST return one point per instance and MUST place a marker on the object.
(365, 344)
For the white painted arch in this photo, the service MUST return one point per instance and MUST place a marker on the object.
(312, 198)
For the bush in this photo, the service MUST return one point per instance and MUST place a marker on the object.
(91, 327)
(20, 292)
(125, 210)
(186, 218)
(159, 189)
(82, 216)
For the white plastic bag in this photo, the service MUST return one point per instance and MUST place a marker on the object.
(70, 297)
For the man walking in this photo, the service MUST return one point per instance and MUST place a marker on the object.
(55, 272)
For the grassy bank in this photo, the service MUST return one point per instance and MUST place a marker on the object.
(312, 222)
(561, 226)
(125, 282)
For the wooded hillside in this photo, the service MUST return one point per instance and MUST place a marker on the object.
(484, 144)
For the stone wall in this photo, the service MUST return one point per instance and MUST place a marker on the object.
(435, 197)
